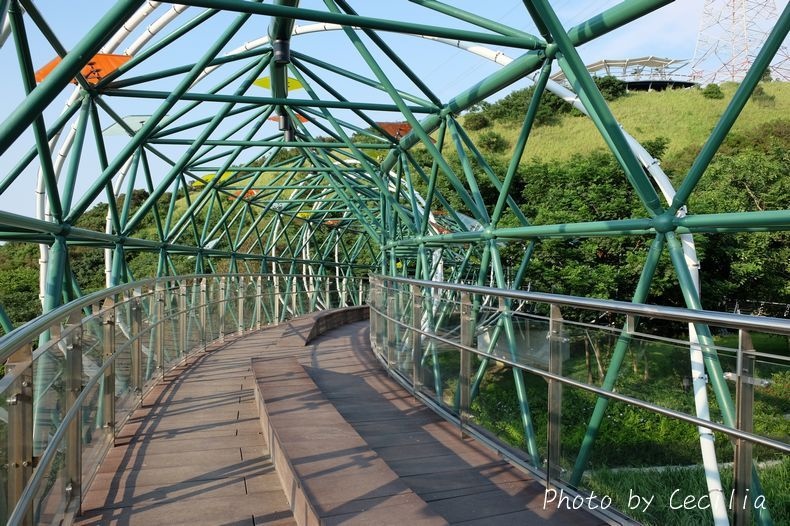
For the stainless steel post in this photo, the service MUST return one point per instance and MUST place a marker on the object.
(416, 338)
(467, 340)
(554, 396)
(108, 334)
(183, 320)
(223, 306)
(744, 420)
(240, 299)
(72, 376)
(20, 428)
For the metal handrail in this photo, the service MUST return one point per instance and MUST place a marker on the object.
(398, 344)
(25, 334)
(14, 340)
(757, 439)
(715, 318)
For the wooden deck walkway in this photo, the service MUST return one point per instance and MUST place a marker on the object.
(351, 447)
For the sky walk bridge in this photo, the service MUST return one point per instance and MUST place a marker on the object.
(283, 278)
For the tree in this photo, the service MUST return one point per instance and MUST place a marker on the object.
(611, 87)
(492, 141)
(753, 266)
(475, 121)
(19, 293)
(712, 91)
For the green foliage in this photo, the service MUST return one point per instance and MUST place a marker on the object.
(475, 121)
(586, 188)
(747, 265)
(762, 98)
(611, 87)
(712, 91)
(19, 281)
(513, 107)
(492, 142)
(19, 294)
(620, 484)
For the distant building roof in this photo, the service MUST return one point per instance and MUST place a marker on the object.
(633, 69)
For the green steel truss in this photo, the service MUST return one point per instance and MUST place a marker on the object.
(328, 190)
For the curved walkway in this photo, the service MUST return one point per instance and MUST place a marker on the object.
(357, 447)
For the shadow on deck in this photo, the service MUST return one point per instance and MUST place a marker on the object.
(289, 426)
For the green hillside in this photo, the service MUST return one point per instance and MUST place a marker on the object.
(683, 116)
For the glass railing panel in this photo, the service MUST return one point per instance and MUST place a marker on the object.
(231, 306)
(213, 317)
(52, 496)
(171, 344)
(127, 395)
(49, 391)
(9, 389)
(440, 373)
(193, 331)
(92, 345)
(150, 360)
(250, 300)
(95, 437)
(774, 476)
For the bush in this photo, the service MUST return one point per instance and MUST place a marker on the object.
(492, 142)
(610, 87)
(475, 121)
(712, 91)
(761, 98)
(512, 107)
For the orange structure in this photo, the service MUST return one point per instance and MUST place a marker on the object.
(96, 69)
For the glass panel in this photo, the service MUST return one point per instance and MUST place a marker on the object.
(150, 360)
(774, 476)
(94, 435)
(11, 387)
(250, 300)
(50, 501)
(49, 404)
(126, 396)
(231, 307)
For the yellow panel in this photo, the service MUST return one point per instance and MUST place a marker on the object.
(266, 83)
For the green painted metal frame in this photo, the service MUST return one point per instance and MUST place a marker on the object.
(346, 202)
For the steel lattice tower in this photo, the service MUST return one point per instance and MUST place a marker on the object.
(731, 33)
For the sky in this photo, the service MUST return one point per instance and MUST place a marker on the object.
(669, 32)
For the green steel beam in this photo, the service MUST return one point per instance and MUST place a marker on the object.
(599, 25)
(219, 97)
(472, 18)
(75, 156)
(761, 62)
(618, 355)
(243, 6)
(39, 129)
(155, 48)
(43, 94)
(610, 130)
(284, 144)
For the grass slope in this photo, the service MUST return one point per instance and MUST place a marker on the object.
(683, 116)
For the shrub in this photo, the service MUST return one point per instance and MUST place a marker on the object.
(761, 98)
(475, 121)
(610, 87)
(492, 141)
(712, 91)
(512, 107)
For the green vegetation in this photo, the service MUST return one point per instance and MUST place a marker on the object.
(712, 91)
(492, 142)
(685, 116)
(476, 121)
(661, 483)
